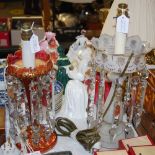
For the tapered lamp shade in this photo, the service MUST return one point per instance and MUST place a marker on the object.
(142, 19)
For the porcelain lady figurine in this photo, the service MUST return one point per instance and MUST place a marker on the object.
(49, 44)
(76, 95)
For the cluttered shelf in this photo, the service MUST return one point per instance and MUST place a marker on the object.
(66, 23)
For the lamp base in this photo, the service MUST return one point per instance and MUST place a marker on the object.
(44, 144)
(108, 139)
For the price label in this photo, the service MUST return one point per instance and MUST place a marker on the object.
(122, 24)
(34, 153)
(34, 44)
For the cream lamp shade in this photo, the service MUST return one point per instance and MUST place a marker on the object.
(141, 23)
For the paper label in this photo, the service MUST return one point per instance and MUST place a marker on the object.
(34, 153)
(122, 24)
(34, 44)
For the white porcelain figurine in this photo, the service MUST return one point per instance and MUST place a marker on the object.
(76, 95)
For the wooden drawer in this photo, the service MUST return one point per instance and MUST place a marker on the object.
(147, 126)
(141, 130)
(2, 125)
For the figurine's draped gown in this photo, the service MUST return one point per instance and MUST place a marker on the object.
(76, 98)
(76, 95)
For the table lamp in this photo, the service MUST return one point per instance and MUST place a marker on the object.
(125, 66)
